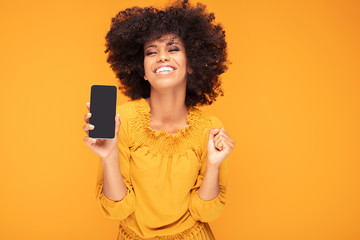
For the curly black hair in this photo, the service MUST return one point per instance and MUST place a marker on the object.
(204, 42)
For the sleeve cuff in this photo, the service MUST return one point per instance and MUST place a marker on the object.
(206, 210)
(111, 203)
(198, 201)
(117, 209)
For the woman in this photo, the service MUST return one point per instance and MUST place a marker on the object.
(164, 175)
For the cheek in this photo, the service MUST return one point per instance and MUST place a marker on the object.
(146, 66)
(182, 61)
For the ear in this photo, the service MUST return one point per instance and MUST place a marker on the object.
(189, 70)
(145, 78)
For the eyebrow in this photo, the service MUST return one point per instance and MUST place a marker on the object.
(167, 44)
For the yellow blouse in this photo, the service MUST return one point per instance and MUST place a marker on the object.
(163, 173)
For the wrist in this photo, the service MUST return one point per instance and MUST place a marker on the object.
(110, 159)
(213, 167)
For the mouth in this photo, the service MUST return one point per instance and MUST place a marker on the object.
(165, 69)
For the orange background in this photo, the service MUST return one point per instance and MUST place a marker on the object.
(291, 104)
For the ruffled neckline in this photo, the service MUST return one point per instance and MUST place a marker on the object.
(181, 131)
(162, 141)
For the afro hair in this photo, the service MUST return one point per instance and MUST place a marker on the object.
(204, 42)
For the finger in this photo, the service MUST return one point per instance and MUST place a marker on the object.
(117, 124)
(228, 144)
(86, 117)
(217, 141)
(223, 130)
(221, 139)
(86, 128)
(89, 141)
(226, 137)
(228, 147)
(223, 144)
(218, 144)
(212, 133)
(218, 136)
(224, 134)
(87, 105)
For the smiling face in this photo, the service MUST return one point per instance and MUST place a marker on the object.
(165, 62)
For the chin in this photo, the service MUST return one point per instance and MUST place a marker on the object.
(166, 85)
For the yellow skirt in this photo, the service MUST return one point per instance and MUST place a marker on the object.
(200, 231)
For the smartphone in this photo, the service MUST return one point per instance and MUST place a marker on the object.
(103, 109)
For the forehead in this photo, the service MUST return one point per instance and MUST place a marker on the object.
(165, 39)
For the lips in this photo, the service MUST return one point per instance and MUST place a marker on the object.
(164, 65)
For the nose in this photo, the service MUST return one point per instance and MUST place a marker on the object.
(163, 56)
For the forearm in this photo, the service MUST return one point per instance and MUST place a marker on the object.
(114, 187)
(209, 188)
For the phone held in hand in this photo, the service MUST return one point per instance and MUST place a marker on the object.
(103, 109)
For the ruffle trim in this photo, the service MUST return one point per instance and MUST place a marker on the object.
(161, 141)
(197, 201)
(128, 234)
(206, 210)
(115, 209)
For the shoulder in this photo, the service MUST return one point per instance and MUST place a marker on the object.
(206, 119)
(127, 109)
(203, 121)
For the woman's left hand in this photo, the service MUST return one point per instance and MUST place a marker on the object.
(219, 146)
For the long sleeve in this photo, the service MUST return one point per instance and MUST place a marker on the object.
(118, 209)
(202, 210)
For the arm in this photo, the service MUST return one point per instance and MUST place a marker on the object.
(114, 186)
(207, 196)
(114, 189)
(209, 188)
(219, 147)
(208, 204)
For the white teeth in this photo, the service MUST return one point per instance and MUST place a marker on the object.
(164, 69)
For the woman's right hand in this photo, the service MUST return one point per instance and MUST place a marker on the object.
(105, 148)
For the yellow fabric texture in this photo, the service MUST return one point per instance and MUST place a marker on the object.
(163, 173)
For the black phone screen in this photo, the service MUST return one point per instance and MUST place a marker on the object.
(103, 109)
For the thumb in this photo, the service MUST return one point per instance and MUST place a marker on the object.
(117, 124)
(212, 133)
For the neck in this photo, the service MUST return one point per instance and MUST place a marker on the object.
(168, 108)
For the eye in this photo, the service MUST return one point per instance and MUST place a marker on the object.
(174, 49)
(149, 53)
